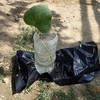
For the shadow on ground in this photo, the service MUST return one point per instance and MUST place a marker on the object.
(13, 16)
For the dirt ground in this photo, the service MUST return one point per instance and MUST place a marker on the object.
(73, 20)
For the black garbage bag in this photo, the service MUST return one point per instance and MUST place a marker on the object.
(26, 73)
(76, 65)
(72, 66)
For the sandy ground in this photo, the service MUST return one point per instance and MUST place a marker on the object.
(73, 20)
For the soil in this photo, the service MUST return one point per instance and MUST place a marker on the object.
(73, 20)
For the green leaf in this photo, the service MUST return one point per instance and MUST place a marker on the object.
(40, 17)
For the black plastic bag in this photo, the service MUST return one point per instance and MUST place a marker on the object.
(72, 66)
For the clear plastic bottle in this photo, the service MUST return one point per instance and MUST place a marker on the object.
(45, 48)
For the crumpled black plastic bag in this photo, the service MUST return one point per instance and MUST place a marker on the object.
(76, 65)
(72, 66)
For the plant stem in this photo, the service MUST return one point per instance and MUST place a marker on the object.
(32, 29)
(40, 34)
(46, 49)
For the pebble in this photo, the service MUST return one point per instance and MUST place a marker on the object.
(6, 80)
(2, 96)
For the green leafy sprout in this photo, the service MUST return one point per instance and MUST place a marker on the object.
(40, 17)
